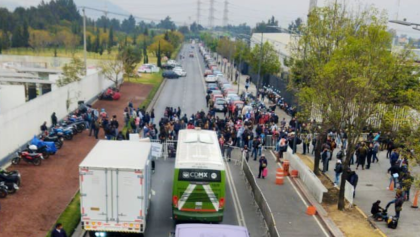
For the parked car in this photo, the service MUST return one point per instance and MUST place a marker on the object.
(212, 86)
(148, 68)
(170, 75)
(210, 79)
(216, 96)
(220, 104)
(168, 66)
(191, 55)
(207, 72)
(181, 72)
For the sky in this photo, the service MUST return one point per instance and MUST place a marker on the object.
(250, 11)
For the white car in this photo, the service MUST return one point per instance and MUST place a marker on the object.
(180, 72)
(210, 79)
(148, 68)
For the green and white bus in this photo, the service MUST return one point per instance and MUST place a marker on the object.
(199, 182)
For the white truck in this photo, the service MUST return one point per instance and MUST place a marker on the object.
(115, 181)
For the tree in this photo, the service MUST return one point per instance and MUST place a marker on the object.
(167, 24)
(350, 72)
(111, 37)
(263, 27)
(159, 56)
(128, 25)
(17, 37)
(146, 57)
(184, 30)
(67, 39)
(270, 63)
(25, 35)
(112, 70)
(294, 25)
(161, 46)
(130, 57)
(39, 39)
(72, 72)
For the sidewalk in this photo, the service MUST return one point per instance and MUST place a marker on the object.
(372, 186)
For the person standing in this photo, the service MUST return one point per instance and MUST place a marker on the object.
(58, 231)
(207, 100)
(362, 156)
(353, 179)
(263, 165)
(325, 156)
(152, 116)
(245, 152)
(247, 82)
(369, 155)
(255, 146)
(375, 151)
(44, 127)
(115, 124)
(394, 172)
(97, 125)
(53, 119)
(222, 145)
(338, 170)
(229, 148)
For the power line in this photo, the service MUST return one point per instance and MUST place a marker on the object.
(125, 15)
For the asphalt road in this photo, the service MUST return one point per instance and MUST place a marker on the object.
(188, 93)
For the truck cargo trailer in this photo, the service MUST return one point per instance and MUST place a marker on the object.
(115, 181)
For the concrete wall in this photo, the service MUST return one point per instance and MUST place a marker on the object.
(312, 183)
(39, 62)
(11, 96)
(18, 125)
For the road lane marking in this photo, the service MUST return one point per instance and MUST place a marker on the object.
(234, 194)
(300, 196)
(240, 215)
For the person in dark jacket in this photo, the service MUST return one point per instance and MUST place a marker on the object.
(353, 178)
(394, 171)
(263, 164)
(362, 153)
(44, 127)
(58, 231)
(369, 155)
(53, 119)
(377, 210)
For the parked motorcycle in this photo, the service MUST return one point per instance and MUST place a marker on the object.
(67, 132)
(40, 149)
(58, 140)
(46, 148)
(3, 190)
(33, 158)
(79, 124)
(12, 175)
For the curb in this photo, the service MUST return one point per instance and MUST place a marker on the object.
(155, 98)
(321, 213)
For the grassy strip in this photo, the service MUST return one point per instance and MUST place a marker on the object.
(70, 218)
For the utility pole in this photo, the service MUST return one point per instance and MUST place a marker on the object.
(312, 5)
(84, 40)
(260, 62)
(198, 11)
(225, 14)
(211, 14)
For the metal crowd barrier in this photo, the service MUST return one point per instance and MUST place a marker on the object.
(261, 201)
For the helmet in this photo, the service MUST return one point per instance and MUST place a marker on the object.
(33, 147)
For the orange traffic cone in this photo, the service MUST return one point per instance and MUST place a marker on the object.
(311, 210)
(391, 186)
(416, 197)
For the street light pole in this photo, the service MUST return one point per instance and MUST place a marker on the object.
(259, 63)
(84, 40)
(239, 66)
